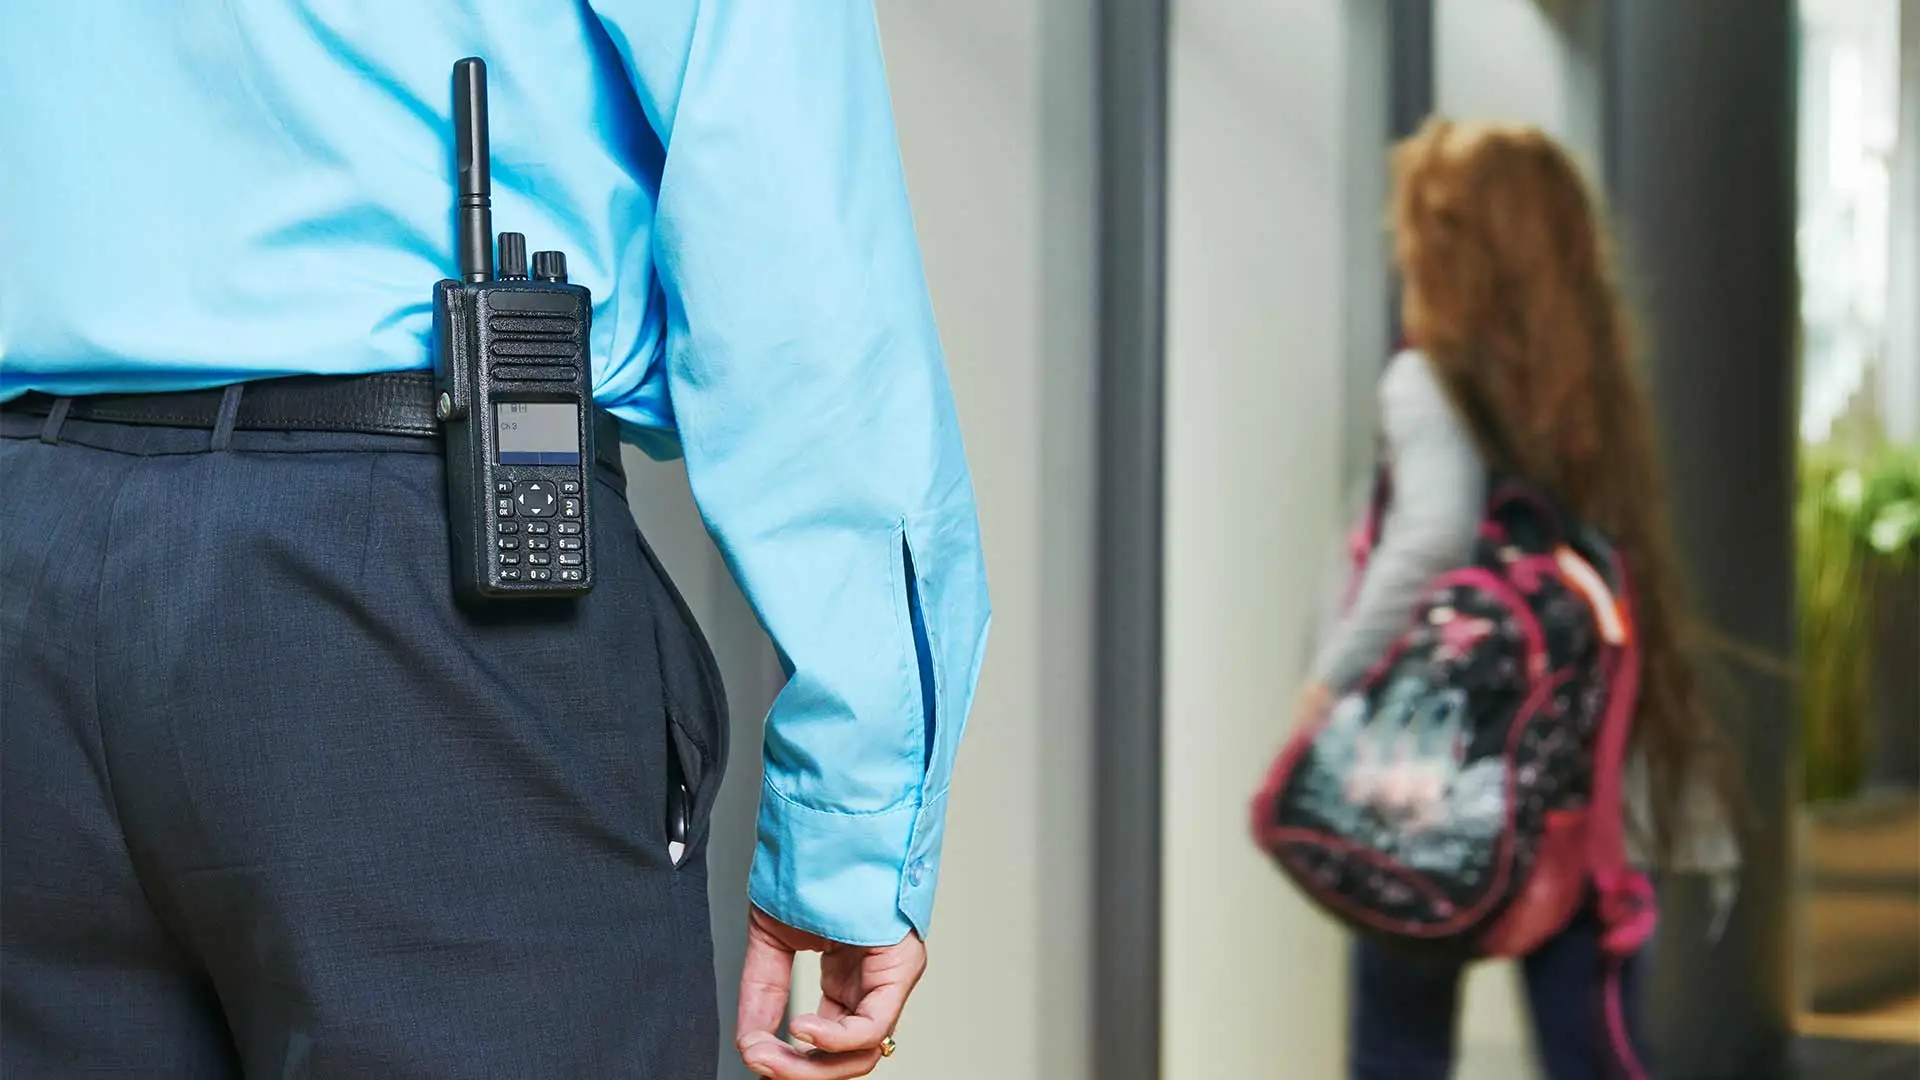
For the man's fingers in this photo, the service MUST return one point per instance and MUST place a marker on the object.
(864, 992)
(779, 1061)
(842, 1035)
(831, 1008)
(765, 978)
(872, 1020)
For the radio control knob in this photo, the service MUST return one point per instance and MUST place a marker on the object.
(550, 266)
(513, 257)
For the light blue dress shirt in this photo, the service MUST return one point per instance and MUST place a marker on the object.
(204, 191)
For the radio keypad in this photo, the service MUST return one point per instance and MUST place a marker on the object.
(519, 509)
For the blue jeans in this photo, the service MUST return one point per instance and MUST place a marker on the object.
(1405, 1011)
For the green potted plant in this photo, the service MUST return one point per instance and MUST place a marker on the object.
(1859, 595)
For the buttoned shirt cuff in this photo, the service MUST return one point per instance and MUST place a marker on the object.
(858, 879)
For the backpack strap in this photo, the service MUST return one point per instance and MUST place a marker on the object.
(1625, 896)
(1627, 906)
(1366, 536)
(1377, 500)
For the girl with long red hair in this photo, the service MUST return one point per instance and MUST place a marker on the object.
(1522, 363)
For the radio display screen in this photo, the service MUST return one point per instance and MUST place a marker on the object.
(537, 433)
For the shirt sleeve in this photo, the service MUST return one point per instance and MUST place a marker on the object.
(820, 436)
(1439, 494)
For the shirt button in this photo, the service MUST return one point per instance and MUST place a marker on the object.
(917, 872)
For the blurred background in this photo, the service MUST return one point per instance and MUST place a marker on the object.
(1153, 230)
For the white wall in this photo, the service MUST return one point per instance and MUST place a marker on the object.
(1514, 61)
(1254, 980)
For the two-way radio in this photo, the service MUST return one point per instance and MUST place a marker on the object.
(510, 357)
(510, 361)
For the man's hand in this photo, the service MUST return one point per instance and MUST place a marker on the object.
(862, 993)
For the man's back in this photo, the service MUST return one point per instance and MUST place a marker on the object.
(204, 191)
(211, 190)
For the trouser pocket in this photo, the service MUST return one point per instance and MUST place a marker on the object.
(696, 709)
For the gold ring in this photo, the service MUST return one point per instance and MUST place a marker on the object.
(888, 1046)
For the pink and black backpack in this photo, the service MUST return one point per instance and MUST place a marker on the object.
(1464, 800)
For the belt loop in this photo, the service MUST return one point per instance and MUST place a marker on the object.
(229, 413)
(56, 419)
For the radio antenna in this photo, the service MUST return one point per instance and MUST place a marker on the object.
(474, 206)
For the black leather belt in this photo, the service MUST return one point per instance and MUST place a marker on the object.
(391, 403)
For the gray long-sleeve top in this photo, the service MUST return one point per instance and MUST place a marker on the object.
(1429, 527)
(1439, 484)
